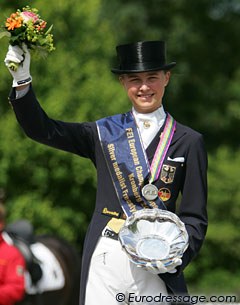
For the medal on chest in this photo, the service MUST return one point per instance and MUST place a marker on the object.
(150, 191)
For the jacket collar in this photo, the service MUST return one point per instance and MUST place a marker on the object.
(153, 145)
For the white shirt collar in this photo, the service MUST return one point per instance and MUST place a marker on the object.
(158, 116)
(149, 124)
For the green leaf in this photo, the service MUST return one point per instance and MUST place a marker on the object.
(49, 30)
(5, 34)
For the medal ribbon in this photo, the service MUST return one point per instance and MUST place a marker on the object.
(163, 145)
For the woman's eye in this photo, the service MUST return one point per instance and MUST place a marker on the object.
(134, 80)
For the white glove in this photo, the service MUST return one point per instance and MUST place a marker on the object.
(160, 268)
(20, 56)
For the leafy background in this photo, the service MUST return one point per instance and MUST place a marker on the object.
(56, 190)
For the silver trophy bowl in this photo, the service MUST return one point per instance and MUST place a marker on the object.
(151, 235)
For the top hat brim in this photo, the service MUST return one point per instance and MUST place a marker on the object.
(144, 68)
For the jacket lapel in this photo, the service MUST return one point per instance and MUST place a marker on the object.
(153, 145)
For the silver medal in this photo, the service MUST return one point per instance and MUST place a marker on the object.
(150, 192)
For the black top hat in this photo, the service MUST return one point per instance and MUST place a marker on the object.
(142, 56)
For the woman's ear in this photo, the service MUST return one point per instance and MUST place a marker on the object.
(121, 80)
(167, 77)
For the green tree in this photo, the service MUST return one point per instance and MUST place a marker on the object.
(73, 83)
(216, 269)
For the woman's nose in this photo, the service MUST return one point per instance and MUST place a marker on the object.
(144, 86)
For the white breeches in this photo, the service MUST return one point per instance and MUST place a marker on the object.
(113, 279)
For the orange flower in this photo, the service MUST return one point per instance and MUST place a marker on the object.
(43, 24)
(14, 22)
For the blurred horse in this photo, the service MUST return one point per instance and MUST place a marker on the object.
(63, 281)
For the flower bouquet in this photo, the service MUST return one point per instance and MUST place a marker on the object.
(26, 27)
